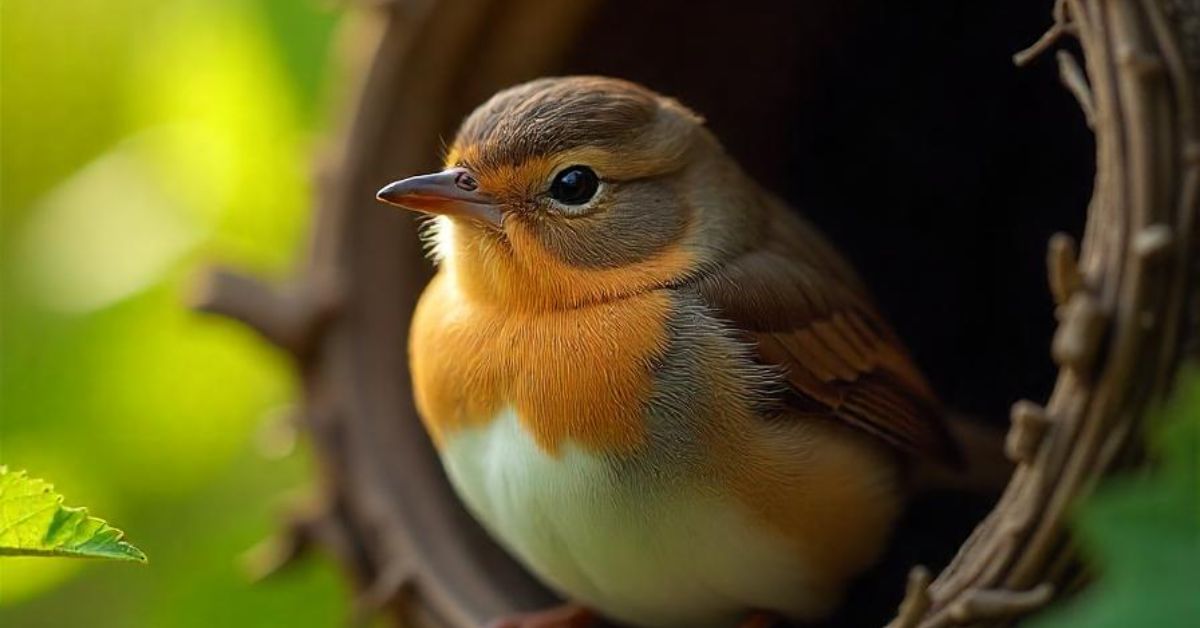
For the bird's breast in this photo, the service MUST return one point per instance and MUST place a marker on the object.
(642, 544)
(581, 375)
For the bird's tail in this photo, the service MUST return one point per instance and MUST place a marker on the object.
(986, 469)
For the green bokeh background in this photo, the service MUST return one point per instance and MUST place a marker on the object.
(142, 140)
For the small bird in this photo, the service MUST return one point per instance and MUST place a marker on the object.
(647, 377)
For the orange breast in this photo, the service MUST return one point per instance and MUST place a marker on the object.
(579, 375)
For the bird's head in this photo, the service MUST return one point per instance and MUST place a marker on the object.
(565, 191)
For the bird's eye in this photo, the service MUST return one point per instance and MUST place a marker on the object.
(575, 185)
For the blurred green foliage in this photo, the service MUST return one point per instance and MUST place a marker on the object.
(1142, 534)
(140, 140)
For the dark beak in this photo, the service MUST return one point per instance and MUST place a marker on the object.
(452, 192)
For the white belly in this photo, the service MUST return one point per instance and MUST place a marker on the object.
(640, 549)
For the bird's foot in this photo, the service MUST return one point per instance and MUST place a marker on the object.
(565, 616)
(761, 619)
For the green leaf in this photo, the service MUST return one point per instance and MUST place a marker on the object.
(34, 522)
(1141, 533)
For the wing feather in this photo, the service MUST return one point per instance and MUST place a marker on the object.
(837, 352)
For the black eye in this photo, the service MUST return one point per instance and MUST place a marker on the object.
(575, 185)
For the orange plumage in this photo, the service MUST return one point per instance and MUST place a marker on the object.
(564, 371)
(650, 380)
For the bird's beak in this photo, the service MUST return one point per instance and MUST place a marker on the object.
(452, 192)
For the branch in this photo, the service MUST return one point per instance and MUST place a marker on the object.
(289, 319)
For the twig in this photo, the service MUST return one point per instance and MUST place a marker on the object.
(999, 603)
(1062, 268)
(916, 599)
(1073, 78)
(289, 319)
(1060, 27)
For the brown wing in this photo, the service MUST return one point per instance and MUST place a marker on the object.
(805, 311)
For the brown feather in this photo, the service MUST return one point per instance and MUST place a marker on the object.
(806, 312)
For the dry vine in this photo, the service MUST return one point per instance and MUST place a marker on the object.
(1126, 309)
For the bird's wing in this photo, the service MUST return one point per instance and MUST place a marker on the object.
(806, 313)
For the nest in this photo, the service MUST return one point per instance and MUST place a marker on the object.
(1124, 302)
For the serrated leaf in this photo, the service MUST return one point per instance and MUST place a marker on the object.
(34, 522)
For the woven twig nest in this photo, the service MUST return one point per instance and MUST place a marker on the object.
(1126, 304)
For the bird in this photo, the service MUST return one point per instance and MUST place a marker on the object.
(652, 381)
